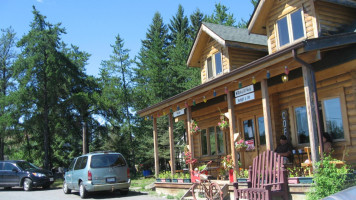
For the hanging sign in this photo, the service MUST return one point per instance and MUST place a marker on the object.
(245, 98)
(285, 124)
(178, 113)
(244, 91)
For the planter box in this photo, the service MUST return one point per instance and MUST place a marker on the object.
(187, 180)
(305, 180)
(180, 180)
(293, 180)
(242, 180)
(168, 180)
(175, 180)
(158, 180)
(163, 180)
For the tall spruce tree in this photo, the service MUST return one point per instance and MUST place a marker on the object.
(116, 77)
(196, 19)
(7, 86)
(220, 16)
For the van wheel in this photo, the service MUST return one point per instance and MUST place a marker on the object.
(66, 190)
(27, 184)
(82, 191)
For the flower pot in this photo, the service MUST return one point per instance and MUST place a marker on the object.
(242, 180)
(175, 180)
(163, 180)
(168, 180)
(180, 180)
(158, 180)
(293, 180)
(241, 149)
(186, 180)
(231, 175)
(305, 180)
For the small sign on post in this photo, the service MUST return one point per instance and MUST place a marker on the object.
(244, 94)
(178, 113)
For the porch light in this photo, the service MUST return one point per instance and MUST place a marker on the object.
(171, 110)
(285, 78)
(204, 99)
(178, 108)
(214, 93)
(268, 74)
(164, 113)
(240, 85)
(194, 103)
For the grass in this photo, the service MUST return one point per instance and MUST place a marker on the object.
(58, 183)
(142, 182)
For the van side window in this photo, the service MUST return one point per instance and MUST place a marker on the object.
(81, 163)
(1, 166)
(9, 167)
(72, 164)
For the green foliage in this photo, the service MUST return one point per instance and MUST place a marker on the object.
(220, 16)
(243, 173)
(328, 179)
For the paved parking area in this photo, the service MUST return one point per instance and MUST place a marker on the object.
(57, 194)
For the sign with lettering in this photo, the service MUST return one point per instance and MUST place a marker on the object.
(285, 124)
(178, 112)
(245, 98)
(244, 91)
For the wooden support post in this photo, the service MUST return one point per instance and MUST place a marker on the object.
(171, 145)
(189, 134)
(311, 107)
(232, 128)
(267, 115)
(155, 144)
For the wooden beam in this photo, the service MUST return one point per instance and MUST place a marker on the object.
(267, 115)
(189, 133)
(311, 113)
(155, 144)
(232, 128)
(171, 145)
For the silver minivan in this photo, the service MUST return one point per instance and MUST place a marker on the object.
(97, 171)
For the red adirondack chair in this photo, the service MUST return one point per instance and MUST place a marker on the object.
(267, 178)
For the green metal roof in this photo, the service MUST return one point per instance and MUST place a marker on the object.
(229, 33)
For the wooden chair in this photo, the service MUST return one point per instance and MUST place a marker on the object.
(267, 178)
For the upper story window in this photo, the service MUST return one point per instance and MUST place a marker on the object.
(214, 65)
(290, 28)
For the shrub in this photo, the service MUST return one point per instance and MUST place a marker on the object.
(328, 179)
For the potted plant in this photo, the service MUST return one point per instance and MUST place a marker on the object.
(180, 177)
(307, 178)
(194, 128)
(186, 178)
(175, 178)
(241, 145)
(161, 177)
(293, 175)
(228, 165)
(242, 176)
(168, 177)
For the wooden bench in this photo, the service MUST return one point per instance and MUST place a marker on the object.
(267, 178)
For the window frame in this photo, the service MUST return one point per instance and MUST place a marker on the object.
(213, 63)
(290, 29)
(207, 135)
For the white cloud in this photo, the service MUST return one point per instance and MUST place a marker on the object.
(39, 1)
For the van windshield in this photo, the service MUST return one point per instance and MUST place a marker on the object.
(107, 160)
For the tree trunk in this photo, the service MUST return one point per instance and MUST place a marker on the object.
(85, 140)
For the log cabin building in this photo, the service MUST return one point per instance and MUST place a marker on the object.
(291, 72)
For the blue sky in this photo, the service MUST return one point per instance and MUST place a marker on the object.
(93, 24)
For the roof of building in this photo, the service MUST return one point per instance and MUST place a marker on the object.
(229, 33)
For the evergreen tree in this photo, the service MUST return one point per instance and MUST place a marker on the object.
(116, 78)
(7, 57)
(220, 16)
(196, 19)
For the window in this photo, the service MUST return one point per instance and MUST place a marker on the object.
(81, 163)
(333, 118)
(214, 65)
(302, 124)
(72, 164)
(290, 28)
(204, 143)
(249, 129)
(212, 141)
(261, 130)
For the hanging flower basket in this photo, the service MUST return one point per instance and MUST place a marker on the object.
(195, 128)
(241, 145)
(223, 124)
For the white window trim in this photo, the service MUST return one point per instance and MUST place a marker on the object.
(290, 30)
(212, 56)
